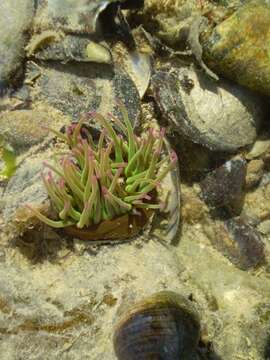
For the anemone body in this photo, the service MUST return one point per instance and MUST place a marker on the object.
(101, 181)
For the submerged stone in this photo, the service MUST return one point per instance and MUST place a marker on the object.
(238, 48)
(224, 186)
(15, 20)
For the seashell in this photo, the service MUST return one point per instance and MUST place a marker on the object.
(163, 326)
(185, 96)
(123, 227)
(76, 16)
(238, 47)
(98, 53)
(40, 40)
(50, 45)
(240, 242)
(136, 64)
(75, 89)
(165, 225)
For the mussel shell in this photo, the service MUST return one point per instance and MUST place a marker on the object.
(164, 326)
(120, 228)
(76, 16)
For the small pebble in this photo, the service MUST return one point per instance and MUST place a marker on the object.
(254, 173)
(224, 185)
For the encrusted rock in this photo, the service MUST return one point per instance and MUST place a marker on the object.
(254, 173)
(15, 20)
(259, 148)
(221, 116)
(25, 128)
(224, 185)
(238, 47)
(25, 186)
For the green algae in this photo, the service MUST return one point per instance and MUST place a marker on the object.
(7, 155)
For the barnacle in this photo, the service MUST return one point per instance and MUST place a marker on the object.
(100, 181)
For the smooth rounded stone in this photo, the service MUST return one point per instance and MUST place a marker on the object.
(239, 242)
(15, 20)
(224, 186)
(25, 128)
(255, 169)
(76, 89)
(221, 116)
(162, 326)
(238, 48)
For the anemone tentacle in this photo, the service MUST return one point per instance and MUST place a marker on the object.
(93, 182)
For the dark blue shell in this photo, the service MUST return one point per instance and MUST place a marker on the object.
(163, 327)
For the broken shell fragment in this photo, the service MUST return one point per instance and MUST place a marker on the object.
(238, 48)
(38, 41)
(136, 64)
(98, 53)
(163, 326)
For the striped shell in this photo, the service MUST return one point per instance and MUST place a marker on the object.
(163, 326)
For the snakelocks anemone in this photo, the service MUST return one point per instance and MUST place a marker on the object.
(103, 180)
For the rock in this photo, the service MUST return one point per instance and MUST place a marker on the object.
(264, 227)
(254, 173)
(224, 186)
(15, 20)
(67, 306)
(239, 242)
(23, 129)
(24, 186)
(193, 209)
(185, 97)
(259, 148)
(257, 204)
(238, 47)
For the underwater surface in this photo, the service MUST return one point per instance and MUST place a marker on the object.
(134, 179)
